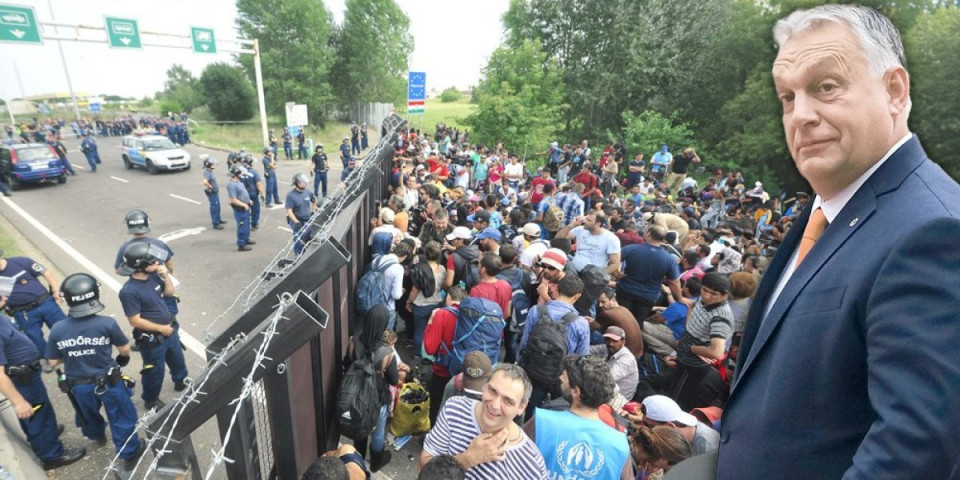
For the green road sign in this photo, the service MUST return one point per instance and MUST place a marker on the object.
(203, 40)
(18, 24)
(122, 32)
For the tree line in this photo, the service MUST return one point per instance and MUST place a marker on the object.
(687, 72)
(305, 58)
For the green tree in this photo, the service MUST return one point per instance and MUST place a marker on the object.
(181, 89)
(645, 133)
(373, 48)
(145, 102)
(228, 93)
(933, 53)
(520, 99)
(450, 95)
(295, 52)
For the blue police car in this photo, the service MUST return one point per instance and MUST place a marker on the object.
(154, 152)
(30, 163)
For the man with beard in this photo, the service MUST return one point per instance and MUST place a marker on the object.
(623, 365)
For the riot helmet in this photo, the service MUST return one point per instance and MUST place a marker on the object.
(207, 161)
(82, 294)
(236, 170)
(139, 255)
(300, 180)
(137, 222)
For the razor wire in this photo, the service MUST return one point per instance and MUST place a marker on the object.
(336, 203)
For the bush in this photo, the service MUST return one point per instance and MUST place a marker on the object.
(450, 95)
(227, 92)
(168, 105)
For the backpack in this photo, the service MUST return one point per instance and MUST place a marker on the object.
(542, 358)
(466, 270)
(554, 218)
(520, 301)
(358, 399)
(372, 289)
(479, 327)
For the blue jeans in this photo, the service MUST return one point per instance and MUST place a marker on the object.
(167, 353)
(255, 212)
(379, 435)
(354, 146)
(31, 322)
(288, 150)
(214, 199)
(121, 413)
(93, 159)
(242, 217)
(302, 233)
(420, 317)
(302, 152)
(318, 179)
(41, 428)
(67, 165)
(271, 186)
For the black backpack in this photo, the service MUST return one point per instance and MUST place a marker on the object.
(542, 358)
(358, 399)
(372, 287)
(520, 301)
(466, 270)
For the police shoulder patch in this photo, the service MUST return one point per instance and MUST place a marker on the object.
(37, 267)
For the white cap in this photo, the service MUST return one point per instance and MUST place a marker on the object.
(459, 232)
(663, 409)
(758, 184)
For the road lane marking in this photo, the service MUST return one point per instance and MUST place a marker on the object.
(183, 232)
(189, 341)
(119, 179)
(185, 199)
(81, 167)
(286, 229)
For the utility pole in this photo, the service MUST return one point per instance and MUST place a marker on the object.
(63, 60)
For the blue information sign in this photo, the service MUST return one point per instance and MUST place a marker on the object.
(417, 86)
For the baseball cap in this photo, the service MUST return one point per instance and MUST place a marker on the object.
(689, 211)
(479, 216)
(476, 370)
(531, 229)
(662, 408)
(615, 333)
(387, 215)
(489, 232)
(555, 258)
(459, 232)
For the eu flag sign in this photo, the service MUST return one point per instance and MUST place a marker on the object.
(416, 92)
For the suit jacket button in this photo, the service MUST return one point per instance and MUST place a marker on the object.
(725, 438)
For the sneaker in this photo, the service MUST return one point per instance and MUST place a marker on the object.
(69, 456)
(244, 248)
(218, 227)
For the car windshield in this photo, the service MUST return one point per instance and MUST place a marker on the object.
(35, 153)
(158, 144)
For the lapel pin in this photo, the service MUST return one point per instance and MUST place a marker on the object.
(854, 221)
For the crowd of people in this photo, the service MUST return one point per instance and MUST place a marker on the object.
(617, 299)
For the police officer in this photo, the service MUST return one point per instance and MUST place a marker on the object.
(212, 190)
(20, 382)
(241, 203)
(30, 302)
(354, 138)
(318, 168)
(287, 144)
(270, 177)
(89, 148)
(155, 329)
(84, 344)
(138, 225)
(300, 205)
(61, 152)
(364, 138)
(253, 182)
(272, 140)
(346, 158)
(301, 144)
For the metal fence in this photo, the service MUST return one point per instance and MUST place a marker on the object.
(369, 113)
(274, 370)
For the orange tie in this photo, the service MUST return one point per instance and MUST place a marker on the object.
(814, 229)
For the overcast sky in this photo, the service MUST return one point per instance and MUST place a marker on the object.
(453, 40)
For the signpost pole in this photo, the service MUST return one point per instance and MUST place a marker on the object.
(63, 60)
(259, 74)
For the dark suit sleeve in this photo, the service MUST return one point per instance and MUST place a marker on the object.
(913, 366)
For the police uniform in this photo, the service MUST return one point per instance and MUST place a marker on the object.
(319, 170)
(84, 343)
(30, 302)
(20, 360)
(300, 205)
(354, 138)
(270, 178)
(143, 295)
(287, 144)
(163, 253)
(237, 192)
(212, 190)
(252, 181)
(364, 138)
(301, 145)
(346, 159)
(89, 148)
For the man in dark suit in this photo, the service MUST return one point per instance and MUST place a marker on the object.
(849, 366)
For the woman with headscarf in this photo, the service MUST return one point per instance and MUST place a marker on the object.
(368, 342)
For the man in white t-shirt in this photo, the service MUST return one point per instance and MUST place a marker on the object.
(595, 244)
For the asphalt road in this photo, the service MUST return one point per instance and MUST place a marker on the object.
(78, 227)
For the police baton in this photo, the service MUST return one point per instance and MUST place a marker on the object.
(65, 388)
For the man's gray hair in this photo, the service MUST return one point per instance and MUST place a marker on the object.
(878, 37)
(515, 372)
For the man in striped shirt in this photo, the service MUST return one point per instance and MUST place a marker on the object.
(482, 435)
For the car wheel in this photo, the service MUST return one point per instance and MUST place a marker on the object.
(127, 163)
(62, 179)
(151, 167)
(12, 182)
